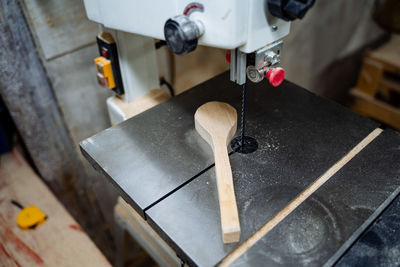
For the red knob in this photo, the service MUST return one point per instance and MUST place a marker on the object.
(228, 56)
(275, 76)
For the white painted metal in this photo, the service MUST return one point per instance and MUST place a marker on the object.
(260, 31)
(138, 63)
(115, 113)
(243, 24)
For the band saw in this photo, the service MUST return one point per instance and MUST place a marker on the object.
(164, 169)
(310, 176)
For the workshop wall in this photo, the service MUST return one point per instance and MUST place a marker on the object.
(331, 32)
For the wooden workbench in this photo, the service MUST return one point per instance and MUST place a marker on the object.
(60, 241)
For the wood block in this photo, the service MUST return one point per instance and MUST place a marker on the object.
(60, 241)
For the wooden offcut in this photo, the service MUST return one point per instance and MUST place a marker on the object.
(216, 122)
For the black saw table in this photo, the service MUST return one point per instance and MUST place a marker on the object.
(165, 170)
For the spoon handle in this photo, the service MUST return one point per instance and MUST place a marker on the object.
(226, 194)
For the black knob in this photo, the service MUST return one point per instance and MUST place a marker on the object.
(289, 9)
(181, 34)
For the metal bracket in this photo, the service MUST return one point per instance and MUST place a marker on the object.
(238, 66)
(269, 55)
(265, 58)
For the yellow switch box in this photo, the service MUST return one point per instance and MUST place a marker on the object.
(104, 72)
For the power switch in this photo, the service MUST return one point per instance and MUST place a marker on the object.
(104, 72)
(107, 64)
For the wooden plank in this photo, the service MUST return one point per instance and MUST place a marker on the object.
(60, 26)
(379, 110)
(282, 214)
(60, 241)
(216, 122)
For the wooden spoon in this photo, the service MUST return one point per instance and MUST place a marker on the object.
(216, 122)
